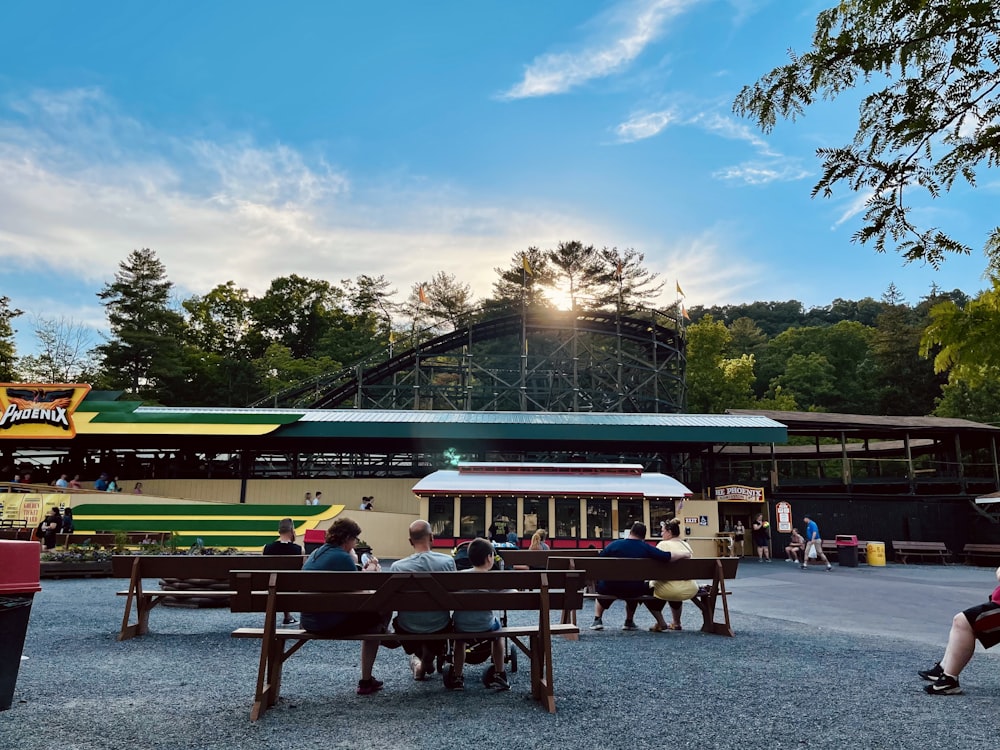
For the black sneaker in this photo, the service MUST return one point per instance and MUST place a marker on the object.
(499, 682)
(598, 624)
(932, 674)
(629, 625)
(452, 681)
(944, 685)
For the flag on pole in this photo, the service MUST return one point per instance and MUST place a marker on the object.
(525, 265)
(679, 290)
(619, 270)
(422, 295)
(684, 312)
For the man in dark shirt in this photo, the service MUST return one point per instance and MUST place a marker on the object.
(285, 545)
(634, 546)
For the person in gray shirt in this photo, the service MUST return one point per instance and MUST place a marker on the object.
(422, 653)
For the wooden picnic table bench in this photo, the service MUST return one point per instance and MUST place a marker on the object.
(716, 570)
(973, 551)
(539, 558)
(202, 571)
(273, 592)
(934, 550)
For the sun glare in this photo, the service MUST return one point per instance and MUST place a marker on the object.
(561, 298)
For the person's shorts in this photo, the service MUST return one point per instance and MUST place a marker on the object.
(985, 622)
(431, 648)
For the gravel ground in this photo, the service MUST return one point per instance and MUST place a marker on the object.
(782, 682)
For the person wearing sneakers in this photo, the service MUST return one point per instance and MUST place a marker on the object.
(980, 623)
(335, 554)
(285, 545)
(813, 542)
(795, 547)
(674, 593)
(762, 538)
(482, 556)
(422, 653)
(633, 546)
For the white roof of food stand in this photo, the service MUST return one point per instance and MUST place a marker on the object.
(550, 479)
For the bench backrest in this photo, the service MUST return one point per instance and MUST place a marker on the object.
(198, 566)
(632, 569)
(919, 545)
(982, 548)
(330, 591)
(538, 558)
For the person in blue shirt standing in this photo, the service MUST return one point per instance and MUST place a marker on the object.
(634, 546)
(813, 542)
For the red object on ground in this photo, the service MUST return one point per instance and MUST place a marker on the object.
(19, 567)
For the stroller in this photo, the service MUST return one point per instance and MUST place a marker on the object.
(477, 651)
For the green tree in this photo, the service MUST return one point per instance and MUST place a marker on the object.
(980, 403)
(845, 346)
(524, 281)
(630, 283)
(295, 312)
(963, 339)
(935, 120)
(577, 272)
(144, 353)
(220, 320)
(8, 350)
(906, 382)
(715, 382)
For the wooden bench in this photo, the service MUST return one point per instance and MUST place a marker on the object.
(716, 570)
(973, 551)
(273, 592)
(539, 558)
(200, 569)
(933, 550)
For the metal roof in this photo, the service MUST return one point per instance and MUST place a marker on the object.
(454, 482)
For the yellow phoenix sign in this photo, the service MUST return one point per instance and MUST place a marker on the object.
(31, 410)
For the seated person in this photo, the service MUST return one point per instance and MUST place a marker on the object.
(674, 593)
(336, 554)
(482, 557)
(979, 623)
(795, 548)
(422, 653)
(634, 546)
(285, 545)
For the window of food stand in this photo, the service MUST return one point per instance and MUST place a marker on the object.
(567, 517)
(473, 517)
(659, 510)
(629, 511)
(536, 515)
(441, 515)
(598, 519)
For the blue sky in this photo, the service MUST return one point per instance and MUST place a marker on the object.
(248, 140)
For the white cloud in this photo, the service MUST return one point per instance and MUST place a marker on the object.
(769, 166)
(641, 126)
(854, 207)
(75, 200)
(755, 173)
(631, 27)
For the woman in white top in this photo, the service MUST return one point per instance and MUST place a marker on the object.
(675, 593)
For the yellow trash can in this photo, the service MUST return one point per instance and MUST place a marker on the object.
(876, 554)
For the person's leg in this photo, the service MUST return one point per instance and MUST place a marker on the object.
(458, 661)
(369, 650)
(820, 553)
(961, 646)
(675, 614)
(631, 605)
(655, 608)
(805, 552)
(497, 650)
